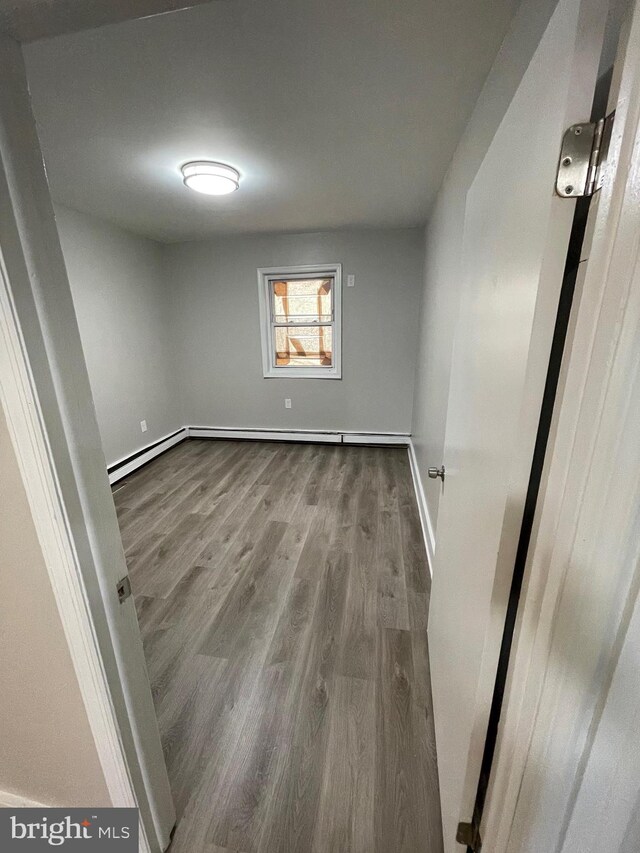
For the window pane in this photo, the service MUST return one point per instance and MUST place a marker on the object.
(304, 346)
(302, 300)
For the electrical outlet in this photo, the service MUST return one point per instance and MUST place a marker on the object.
(143, 426)
(351, 281)
(287, 402)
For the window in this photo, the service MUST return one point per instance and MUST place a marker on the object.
(300, 316)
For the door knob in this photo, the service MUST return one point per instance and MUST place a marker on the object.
(434, 473)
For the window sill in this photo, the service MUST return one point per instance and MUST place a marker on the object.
(301, 373)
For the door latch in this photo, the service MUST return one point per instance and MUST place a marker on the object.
(123, 588)
(434, 473)
(469, 835)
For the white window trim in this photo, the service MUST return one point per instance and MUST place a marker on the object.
(269, 369)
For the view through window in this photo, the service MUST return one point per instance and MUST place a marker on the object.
(302, 317)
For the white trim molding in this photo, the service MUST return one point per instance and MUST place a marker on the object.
(20, 402)
(423, 508)
(268, 274)
(46, 396)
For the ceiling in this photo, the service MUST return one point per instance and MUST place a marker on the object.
(337, 113)
(27, 20)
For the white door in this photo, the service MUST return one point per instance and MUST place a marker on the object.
(516, 234)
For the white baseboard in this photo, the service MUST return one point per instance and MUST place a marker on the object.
(16, 801)
(423, 508)
(328, 436)
(120, 468)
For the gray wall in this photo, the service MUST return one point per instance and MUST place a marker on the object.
(171, 333)
(444, 239)
(121, 301)
(217, 328)
(47, 751)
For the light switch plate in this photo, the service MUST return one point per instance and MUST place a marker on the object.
(351, 281)
(143, 426)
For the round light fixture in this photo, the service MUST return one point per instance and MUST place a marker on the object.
(210, 178)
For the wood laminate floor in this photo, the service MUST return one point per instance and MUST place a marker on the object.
(282, 593)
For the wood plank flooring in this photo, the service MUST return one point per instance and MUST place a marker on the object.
(282, 594)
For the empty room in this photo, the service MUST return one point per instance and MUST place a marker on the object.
(318, 379)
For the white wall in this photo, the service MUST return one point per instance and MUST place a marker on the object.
(444, 239)
(47, 752)
(214, 285)
(120, 297)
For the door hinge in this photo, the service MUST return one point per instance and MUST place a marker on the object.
(469, 835)
(124, 588)
(582, 157)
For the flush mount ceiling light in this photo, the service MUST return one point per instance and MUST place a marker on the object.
(210, 178)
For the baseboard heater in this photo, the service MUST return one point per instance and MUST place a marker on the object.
(325, 436)
(122, 467)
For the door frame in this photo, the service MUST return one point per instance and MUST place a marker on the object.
(58, 464)
(45, 391)
(589, 421)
